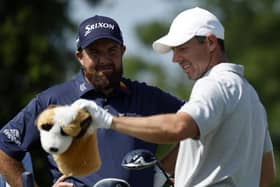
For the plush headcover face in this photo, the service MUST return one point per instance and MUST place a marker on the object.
(66, 133)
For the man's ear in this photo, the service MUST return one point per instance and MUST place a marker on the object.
(212, 42)
(123, 49)
(79, 56)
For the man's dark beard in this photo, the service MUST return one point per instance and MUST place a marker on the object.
(114, 83)
(103, 83)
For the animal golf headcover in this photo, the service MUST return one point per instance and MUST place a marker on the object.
(66, 134)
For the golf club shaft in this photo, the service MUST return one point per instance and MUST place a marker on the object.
(27, 179)
(165, 174)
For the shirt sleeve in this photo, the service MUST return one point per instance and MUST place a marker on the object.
(20, 133)
(206, 106)
(268, 147)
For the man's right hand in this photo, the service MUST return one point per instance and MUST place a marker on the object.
(60, 182)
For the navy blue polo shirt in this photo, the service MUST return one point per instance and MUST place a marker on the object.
(131, 99)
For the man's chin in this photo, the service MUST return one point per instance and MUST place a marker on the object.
(109, 88)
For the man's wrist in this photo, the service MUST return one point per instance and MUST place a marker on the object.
(108, 120)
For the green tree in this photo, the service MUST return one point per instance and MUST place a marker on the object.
(33, 53)
(32, 50)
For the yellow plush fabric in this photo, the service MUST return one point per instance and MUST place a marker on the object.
(82, 157)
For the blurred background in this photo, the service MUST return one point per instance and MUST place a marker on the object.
(38, 45)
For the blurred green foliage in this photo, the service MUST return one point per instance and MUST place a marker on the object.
(34, 54)
(31, 50)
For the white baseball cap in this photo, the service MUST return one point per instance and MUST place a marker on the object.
(189, 23)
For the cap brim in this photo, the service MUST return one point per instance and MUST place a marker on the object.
(93, 39)
(166, 43)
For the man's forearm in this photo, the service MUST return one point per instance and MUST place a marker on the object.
(11, 169)
(268, 173)
(169, 160)
(161, 129)
(151, 129)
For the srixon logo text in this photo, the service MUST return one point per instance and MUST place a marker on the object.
(98, 25)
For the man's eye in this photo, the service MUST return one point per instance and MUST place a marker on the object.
(62, 132)
(46, 126)
(92, 51)
(114, 51)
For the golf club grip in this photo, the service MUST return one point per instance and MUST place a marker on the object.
(27, 179)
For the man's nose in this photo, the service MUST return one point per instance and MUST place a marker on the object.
(176, 58)
(104, 58)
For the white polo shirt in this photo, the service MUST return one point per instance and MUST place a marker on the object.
(233, 132)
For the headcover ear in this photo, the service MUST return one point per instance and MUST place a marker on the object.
(45, 117)
(79, 125)
(52, 106)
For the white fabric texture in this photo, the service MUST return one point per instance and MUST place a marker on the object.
(233, 132)
(189, 23)
(101, 118)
